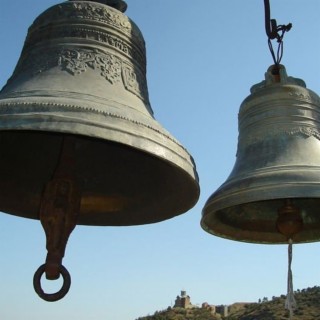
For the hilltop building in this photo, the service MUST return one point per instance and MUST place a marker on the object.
(222, 309)
(183, 301)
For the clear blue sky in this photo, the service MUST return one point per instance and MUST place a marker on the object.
(203, 57)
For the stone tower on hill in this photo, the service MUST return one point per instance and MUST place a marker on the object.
(183, 301)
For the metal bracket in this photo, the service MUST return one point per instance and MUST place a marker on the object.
(59, 209)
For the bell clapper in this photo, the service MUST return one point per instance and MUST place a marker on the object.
(289, 223)
(59, 209)
(289, 220)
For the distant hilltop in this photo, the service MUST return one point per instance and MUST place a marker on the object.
(184, 301)
(184, 309)
(308, 308)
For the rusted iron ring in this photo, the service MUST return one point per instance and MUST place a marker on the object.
(51, 297)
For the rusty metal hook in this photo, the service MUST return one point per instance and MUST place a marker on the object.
(270, 24)
(59, 208)
(51, 297)
(272, 28)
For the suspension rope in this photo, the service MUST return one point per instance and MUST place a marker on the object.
(290, 303)
(274, 31)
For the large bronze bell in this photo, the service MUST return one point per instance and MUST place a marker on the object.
(273, 191)
(79, 141)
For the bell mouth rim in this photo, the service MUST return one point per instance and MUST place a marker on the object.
(170, 192)
(156, 150)
(81, 117)
(252, 206)
(139, 132)
(223, 223)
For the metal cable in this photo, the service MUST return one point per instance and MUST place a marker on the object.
(274, 31)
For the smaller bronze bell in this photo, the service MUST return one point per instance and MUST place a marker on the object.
(273, 191)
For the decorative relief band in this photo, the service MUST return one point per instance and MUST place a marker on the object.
(246, 140)
(78, 61)
(133, 82)
(90, 11)
(88, 34)
(308, 96)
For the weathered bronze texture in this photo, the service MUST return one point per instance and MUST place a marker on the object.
(82, 72)
(278, 158)
(79, 141)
